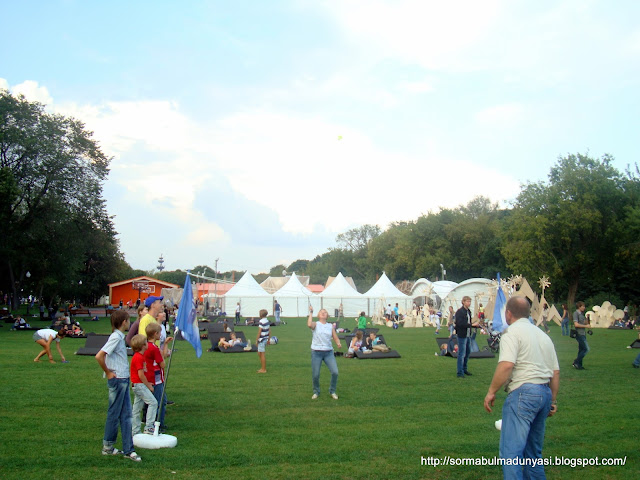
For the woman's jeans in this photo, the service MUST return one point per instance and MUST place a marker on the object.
(326, 356)
(565, 326)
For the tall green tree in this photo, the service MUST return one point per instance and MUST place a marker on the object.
(55, 223)
(568, 227)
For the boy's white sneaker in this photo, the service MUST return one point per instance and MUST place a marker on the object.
(334, 396)
(110, 451)
(314, 396)
(134, 456)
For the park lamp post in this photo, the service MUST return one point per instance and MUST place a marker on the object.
(28, 275)
(79, 286)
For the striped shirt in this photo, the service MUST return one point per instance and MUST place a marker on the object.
(116, 351)
(264, 329)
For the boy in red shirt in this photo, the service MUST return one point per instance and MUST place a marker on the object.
(155, 358)
(142, 387)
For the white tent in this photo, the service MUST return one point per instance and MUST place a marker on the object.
(385, 291)
(424, 290)
(339, 292)
(479, 289)
(294, 298)
(251, 296)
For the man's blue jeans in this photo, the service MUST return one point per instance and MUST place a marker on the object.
(524, 414)
(583, 349)
(326, 356)
(118, 413)
(463, 354)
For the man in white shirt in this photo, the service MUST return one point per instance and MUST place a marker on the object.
(528, 366)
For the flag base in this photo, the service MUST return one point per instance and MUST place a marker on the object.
(155, 441)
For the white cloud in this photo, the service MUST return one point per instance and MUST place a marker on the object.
(501, 116)
(431, 33)
(292, 164)
(32, 92)
(416, 87)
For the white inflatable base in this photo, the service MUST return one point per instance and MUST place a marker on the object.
(155, 441)
(498, 426)
(152, 442)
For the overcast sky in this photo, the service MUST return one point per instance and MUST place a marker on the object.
(256, 131)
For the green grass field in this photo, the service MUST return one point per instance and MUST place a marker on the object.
(233, 423)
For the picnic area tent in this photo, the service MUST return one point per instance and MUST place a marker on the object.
(295, 298)
(384, 292)
(251, 296)
(339, 291)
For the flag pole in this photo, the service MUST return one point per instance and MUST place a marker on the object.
(166, 376)
(176, 330)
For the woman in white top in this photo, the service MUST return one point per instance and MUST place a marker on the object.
(44, 337)
(322, 351)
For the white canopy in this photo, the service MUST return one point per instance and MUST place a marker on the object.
(385, 291)
(340, 292)
(479, 289)
(295, 298)
(251, 296)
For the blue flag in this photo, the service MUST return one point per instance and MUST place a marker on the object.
(187, 321)
(499, 322)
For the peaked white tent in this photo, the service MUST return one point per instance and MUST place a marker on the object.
(385, 291)
(251, 296)
(295, 298)
(339, 292)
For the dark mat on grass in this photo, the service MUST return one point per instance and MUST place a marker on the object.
(219, 327)
(378, 355)
(214, 338)
(480, 354)
(635, 344)
(94, 343)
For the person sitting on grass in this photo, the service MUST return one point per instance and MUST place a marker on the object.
(76, 330)
(44, 337)
(20, 324)
(222, 343)
(142, 387)
(355, 345)
(233, 341)
(362, 321)
(371, 341)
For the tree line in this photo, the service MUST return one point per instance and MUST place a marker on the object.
(580, 226)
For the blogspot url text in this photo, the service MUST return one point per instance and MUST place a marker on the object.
(546, 461)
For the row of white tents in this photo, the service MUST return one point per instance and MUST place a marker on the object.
(295, 299)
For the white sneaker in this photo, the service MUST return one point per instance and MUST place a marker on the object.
(334, 396)
(314, 396)
(134, 456)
